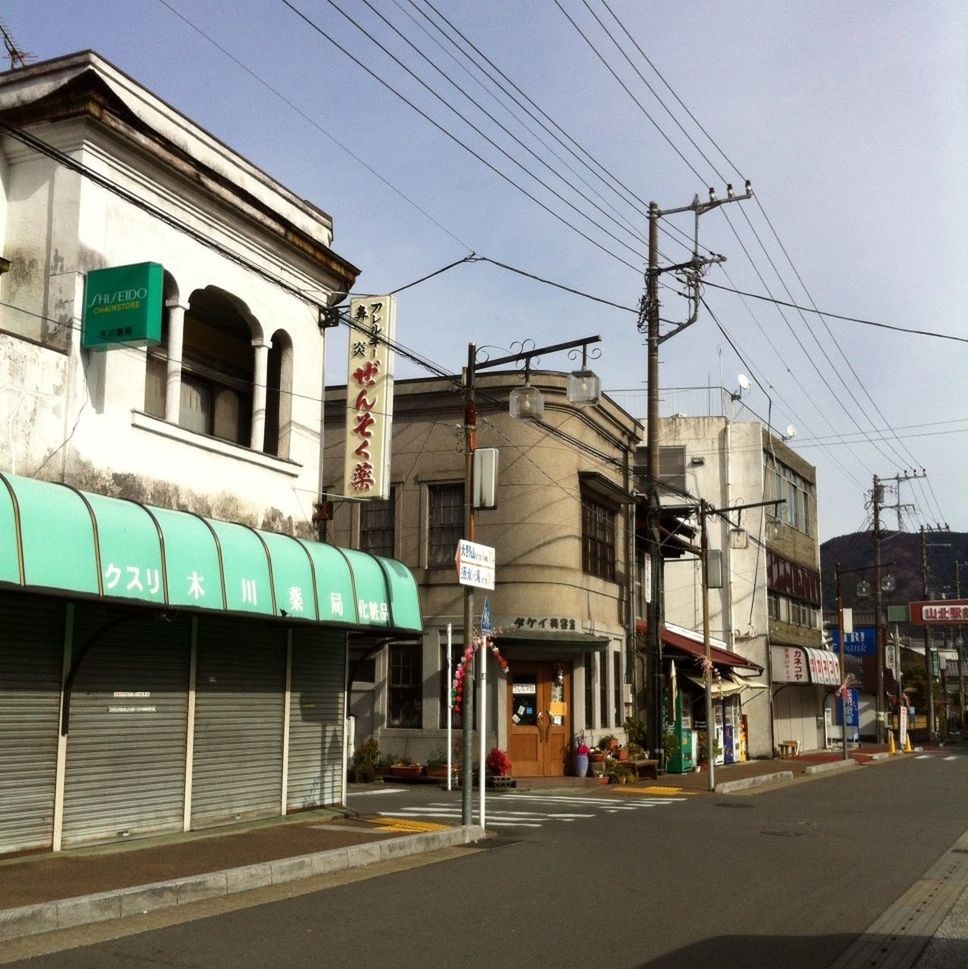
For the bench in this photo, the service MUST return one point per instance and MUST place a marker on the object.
(644, 768)
(789, 749)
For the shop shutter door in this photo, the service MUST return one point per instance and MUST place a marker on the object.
(128, 727)
(31, 659)
(239, 710)
(316, 719)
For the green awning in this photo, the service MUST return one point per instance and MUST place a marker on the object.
(53, 537)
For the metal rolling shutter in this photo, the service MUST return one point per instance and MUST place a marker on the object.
(239, 721)
(128, 727)
(31, 659)
(316, 718)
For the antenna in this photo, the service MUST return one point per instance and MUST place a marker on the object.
(791, 432)
(18, 58)
(744, 384)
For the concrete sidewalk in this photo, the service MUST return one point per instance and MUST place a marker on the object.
(45, 892)
(42, 892)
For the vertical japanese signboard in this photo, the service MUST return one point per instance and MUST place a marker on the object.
(369, 398)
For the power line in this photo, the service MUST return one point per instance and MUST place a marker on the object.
(277, 93)
(491, 167)
(837, 316)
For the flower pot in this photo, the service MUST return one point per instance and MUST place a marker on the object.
(623, 753)
(581, 765)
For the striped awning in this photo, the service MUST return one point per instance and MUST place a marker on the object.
(56, 538)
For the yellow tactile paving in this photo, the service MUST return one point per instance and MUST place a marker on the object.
(653, 791)
(407, 825)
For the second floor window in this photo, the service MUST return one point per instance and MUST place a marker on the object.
(376, 527)
(446, 524)
(597, 539)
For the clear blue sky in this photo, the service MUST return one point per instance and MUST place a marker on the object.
(850, 118)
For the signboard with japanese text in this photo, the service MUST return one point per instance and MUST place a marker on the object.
(861, 642)
(123, 306)
(940, 612)
(790, 665)
(800, 664)
(475, 564)
(850, 702)
(369, 397)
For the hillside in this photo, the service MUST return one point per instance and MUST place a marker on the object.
(903, 550)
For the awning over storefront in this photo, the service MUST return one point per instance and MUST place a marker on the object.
(682, 642)
(56, 538)
(727, 685)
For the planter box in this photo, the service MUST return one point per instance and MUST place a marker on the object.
(407, 771)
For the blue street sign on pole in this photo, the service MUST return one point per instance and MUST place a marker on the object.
(486, 616)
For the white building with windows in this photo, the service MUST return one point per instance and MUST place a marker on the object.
(768, 609)
(172, 645)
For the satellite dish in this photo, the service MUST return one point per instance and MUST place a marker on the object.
(743, 381)
(791, 431)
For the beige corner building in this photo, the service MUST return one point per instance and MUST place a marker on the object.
(562, 608)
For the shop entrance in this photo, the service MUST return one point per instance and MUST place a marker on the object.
(539, 718)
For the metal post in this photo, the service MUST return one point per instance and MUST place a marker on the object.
(928, 671)
(467, 704)
(652, 446)
(843, 663)
(708, 664)
(878, 634)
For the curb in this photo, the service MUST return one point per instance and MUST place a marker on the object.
(730, 786)
(831, 766)
(16, 923)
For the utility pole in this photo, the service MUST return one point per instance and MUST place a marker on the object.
(467, 701)
(878, 628)
(928, 668)
(960, 645)
(880, 633)
(691, 272)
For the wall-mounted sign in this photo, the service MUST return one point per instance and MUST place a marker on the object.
(861, 642)
(939, 612)
(799, 664)
(369, 398)
(475, 564)
(123, 306)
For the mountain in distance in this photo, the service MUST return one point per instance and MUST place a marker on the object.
(901, 557)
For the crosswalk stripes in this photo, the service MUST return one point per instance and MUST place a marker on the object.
(532, 810)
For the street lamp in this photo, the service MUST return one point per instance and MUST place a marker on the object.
(885, 583)
(526, 403)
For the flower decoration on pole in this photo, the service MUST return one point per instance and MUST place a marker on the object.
(705, 664)
(460, 674)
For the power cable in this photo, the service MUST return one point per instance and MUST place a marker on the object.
(491, 167)
(285, 100)
(837, 316)
(523, 101)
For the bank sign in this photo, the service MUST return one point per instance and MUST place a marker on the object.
(861, 642)
(123, 306)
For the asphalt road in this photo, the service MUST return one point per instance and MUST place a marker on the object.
(786, 877)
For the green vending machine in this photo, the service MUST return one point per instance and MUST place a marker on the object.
(679, 741)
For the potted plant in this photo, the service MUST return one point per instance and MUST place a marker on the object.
(404, 768)
(497, 764)
(581, 754)
(365, 760)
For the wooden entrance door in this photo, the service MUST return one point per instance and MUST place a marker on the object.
(539, 718)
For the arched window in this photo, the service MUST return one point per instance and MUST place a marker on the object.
(217, 367)
(278, 429)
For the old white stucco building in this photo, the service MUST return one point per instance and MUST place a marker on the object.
(172, 646)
